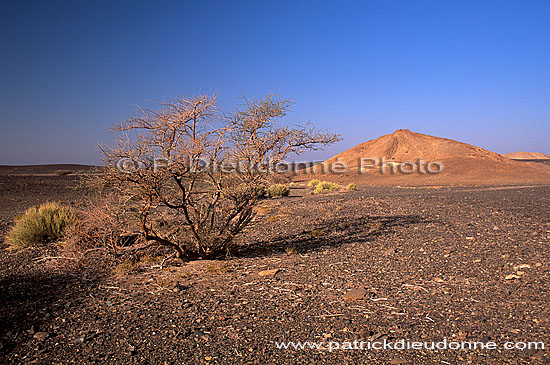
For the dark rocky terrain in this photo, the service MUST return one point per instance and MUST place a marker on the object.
(426, 263)
(44, 170)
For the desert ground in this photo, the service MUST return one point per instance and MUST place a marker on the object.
(466, 263)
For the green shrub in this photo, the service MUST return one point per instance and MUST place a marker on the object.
(41, 225)
(277, 190)
(313, 183)
(292, 184)
(326, 186)
(351, 186)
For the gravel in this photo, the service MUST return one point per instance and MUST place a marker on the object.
(424, 264)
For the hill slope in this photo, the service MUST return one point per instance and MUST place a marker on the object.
(404, 145)
(527, 156)
(462, 163)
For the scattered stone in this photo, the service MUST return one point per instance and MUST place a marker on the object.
(535, 353)
(398, 360)
(439, 280)
(271, 272)
(40, 336)
(379, 335)
(208, 358)
(355, 294)
(446, 297)
(389, 251)
(522, 266)
(511, 277)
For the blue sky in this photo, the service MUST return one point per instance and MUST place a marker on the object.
(474, 71)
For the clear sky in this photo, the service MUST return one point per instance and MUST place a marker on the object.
(474, 71)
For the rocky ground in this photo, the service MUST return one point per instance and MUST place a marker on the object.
(424, 264)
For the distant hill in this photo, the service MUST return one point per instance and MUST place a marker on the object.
(404, 145)
(463, 163)
(49, 169)
(527, 156)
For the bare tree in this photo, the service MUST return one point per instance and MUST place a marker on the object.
(192, 176)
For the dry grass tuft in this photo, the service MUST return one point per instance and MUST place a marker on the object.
(277, 190)
(351, 187)
(41, 225)
(326, 186)
(291, 250)
(313, 183)
(316, 233)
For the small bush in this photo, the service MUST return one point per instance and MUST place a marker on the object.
(41, 225)
(292, 184)
(63, 172)
(125, 267)
(273, 218)
(291, 250)
(313, 183)
(185, 205)
(326, 186)
(316, 233)
(217, 268)
(277, 190)
(100, 225)
(351, 187)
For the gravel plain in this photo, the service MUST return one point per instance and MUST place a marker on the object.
(380, 263)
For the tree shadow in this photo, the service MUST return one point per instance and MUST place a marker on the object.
(30, 302)
(331, 233)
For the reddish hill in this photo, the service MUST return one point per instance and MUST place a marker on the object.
(527, 156)
(404, 145)
(462, 163)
